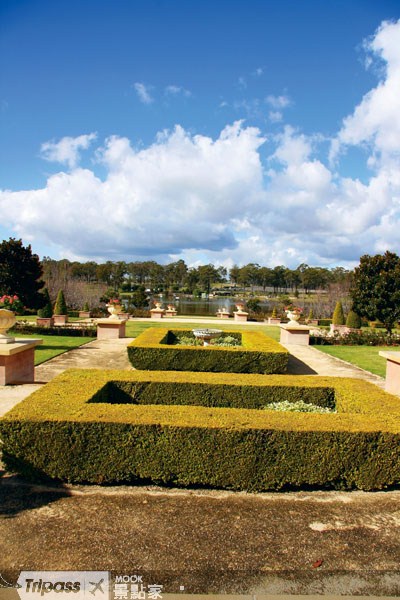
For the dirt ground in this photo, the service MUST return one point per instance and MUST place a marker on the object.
(207, 541)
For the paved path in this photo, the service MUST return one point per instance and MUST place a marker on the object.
(308, 360)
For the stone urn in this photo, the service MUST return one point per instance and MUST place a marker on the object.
(158, 304)
(7, 320)
(293, 317)
(114, 309)
(240, 306)
(206, 335)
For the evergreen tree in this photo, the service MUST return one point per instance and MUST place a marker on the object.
(353, 320)
(20, 273)
(338, 314)
(47, 311)
(376, 288)
(60, 307)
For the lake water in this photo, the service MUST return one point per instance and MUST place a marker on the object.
(206, 308)
(203, 308)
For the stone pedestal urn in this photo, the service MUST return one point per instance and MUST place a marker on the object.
(293, 317)
(7, 320)
(114, 309)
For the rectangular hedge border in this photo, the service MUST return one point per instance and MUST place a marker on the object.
(62, 431)
(257, 354)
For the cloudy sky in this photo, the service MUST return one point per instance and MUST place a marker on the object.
(227, 131)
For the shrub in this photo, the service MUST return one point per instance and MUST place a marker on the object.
(324, 322)
(87, 331)
(60, 307)
(47, 311)
(156, 348)
(338, 314)
(253, 304)
(356, 338)
(75, 430)
(353, 320)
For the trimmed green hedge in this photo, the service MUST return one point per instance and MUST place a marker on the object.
(155, 349)
(84, 331)
(65, 431)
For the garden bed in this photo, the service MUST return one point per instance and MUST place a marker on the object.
(156, 348)
(204, 429)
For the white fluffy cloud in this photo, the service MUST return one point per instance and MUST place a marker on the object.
(67, 150)
(179, 193)
(143, 92)
(375, 122)
(224, 200)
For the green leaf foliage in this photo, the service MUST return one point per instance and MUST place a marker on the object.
(204, 429)
(156, 348)
(353, 320)
(60, 307)
(338, 314)
(20, 272)
(47, 311)
(376, 288)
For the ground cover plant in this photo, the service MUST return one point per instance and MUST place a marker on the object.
(167, 427)
(156, 348)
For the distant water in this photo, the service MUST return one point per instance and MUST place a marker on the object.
(207, 308)
(203, 308)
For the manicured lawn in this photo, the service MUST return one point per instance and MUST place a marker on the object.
(134, 328)
(366, 357)
(53, 345)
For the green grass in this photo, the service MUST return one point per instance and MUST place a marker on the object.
(134, 328)
(365, 357)
(53, 345)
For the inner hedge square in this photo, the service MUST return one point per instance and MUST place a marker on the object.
(155, 349)
(206, 429)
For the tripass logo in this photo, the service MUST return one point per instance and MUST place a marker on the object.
(60, 585)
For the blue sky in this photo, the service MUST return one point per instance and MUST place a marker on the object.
(226, 132)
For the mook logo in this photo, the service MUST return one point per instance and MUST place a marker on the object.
(60, 585)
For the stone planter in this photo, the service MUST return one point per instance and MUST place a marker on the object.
(273, 321)
(7, 320)
(294, 317)
(114, 310)
(60, 319)
(84, 314)
(45, 322)
(223, 313)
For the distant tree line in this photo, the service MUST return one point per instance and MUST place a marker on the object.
(372, 289)
(178, 277)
